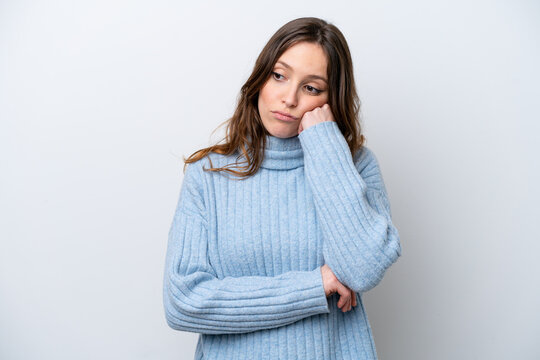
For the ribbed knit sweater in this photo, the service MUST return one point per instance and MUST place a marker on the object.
(244, 257)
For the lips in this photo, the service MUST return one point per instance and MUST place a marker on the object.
(284, 116)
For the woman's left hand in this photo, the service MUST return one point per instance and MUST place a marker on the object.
(315, 116)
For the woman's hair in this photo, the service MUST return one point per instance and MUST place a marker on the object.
(245, 131)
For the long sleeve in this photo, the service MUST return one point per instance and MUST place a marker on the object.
(360, 240)
(196, 300)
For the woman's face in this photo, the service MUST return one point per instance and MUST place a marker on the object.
(298, 84)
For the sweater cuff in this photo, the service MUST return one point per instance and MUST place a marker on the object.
(318, 137)
(316, 277)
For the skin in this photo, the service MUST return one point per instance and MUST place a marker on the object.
(298, 87)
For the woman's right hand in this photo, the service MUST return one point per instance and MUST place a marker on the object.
(347, 297)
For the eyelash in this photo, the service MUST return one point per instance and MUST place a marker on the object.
(314, 92)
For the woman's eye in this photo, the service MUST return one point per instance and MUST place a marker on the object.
(313, 90)
(276, 75)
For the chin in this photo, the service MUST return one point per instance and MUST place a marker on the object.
(283, 131)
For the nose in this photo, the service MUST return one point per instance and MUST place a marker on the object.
(289, 97)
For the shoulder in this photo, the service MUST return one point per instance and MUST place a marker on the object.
(364, 158)
(197, 170)
(193, 193)
(368, 166)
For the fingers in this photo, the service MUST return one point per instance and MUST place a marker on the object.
(348, 305)
(347, 298)
(316, 115)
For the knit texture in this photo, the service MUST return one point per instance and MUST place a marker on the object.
(244, 257)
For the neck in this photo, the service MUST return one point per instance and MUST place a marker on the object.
(282, 153)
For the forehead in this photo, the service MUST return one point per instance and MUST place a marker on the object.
(305, 58)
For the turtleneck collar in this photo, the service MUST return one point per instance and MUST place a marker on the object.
(283, 153)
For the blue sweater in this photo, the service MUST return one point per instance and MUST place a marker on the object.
(244, 257)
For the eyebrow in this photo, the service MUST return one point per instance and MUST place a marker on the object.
(309, 76)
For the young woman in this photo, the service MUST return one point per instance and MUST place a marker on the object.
(281, 228)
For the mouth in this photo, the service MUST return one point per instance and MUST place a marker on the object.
(284, 116)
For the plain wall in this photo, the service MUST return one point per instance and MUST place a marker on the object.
(100, 100)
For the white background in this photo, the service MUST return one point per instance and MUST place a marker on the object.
(99, 101)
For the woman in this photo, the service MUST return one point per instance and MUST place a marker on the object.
(271, 262)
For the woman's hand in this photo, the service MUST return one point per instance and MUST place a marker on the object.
(315, 116)
(331, 285)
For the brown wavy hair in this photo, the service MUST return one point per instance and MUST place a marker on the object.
(245, 132)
